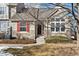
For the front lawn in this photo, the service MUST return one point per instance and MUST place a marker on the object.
(45, 50)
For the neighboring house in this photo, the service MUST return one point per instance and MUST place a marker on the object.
(33, 22)
(4, 20)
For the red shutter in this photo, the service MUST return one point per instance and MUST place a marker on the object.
(18, 26)
(27, 26)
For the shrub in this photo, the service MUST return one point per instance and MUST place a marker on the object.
(58, 39)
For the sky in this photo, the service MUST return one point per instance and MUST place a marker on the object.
(45, 5)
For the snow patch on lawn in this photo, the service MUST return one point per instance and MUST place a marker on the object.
(2, 53)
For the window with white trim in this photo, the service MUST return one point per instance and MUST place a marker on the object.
(3, 10)
(58, 25)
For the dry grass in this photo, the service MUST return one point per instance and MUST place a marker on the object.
(45, 50)
(16, 41)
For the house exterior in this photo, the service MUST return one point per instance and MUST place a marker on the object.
(21, 22)
(34, 22)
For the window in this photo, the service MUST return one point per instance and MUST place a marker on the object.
(62, 19)
(58, 25)
(22, 26)
(2, 10)
(57, 19)
(3, 25)
(52, 26)
(62, 26)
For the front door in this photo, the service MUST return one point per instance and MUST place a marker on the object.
(39, 32)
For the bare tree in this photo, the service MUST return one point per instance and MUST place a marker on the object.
(74, 11)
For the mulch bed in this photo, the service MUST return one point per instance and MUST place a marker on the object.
(17, 41)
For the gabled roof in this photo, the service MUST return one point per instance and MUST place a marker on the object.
(22, 16)
(43, 14)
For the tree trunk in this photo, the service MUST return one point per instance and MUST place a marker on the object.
(78, 30)
(77, 35)
(47, 29)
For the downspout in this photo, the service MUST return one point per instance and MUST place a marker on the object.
(10, 21)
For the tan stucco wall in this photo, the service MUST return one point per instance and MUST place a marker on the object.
(46, 33)
(14, 29)
(30, 34)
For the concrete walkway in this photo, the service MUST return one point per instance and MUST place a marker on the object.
(40, 40)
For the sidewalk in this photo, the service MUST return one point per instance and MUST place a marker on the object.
(17, 45)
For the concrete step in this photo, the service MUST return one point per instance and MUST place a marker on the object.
(40, 40)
